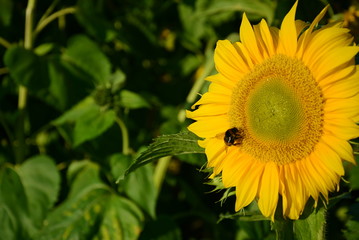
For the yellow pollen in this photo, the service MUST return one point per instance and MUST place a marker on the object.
(279, 106)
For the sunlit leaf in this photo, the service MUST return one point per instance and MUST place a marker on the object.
(260, 8)
(82, 175)
(139, 185)
(312, 227)
(132, 100)
(89, 120)
(166, 145)
(41, 181)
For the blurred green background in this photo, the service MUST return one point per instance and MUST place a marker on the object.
(85, 87)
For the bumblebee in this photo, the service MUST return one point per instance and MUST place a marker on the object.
(233, 136)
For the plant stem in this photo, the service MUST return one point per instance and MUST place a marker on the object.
(4, 42)
(44, 22)
(207, 69)
(162, 165)
(125, 138)
(20, 149)
(29, 24)
(160, 171)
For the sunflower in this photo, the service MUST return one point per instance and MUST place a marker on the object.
(278, 115)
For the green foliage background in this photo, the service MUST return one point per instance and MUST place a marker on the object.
(85, 87)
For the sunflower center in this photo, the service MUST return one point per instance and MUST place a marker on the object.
(279, 106)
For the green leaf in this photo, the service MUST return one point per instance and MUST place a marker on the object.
(354, 174)
(311, 227)
(83, 175)
(27, 68)
(122, 220)
(14, 210)
(260, 8)
(93, 124)
(139, 185)
(132, 100)
(90, 16)
(86, 55)
(92, 210)
(89, 120)
(352, 230)
(166, 145)
(41, 181)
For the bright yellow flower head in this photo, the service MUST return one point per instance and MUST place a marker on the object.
(278, 115)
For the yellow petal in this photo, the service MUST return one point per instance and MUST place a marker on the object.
(268, 192)
(267, 37)
(344, 129)
(300, 26)
(207, 127)
(345, 88)
(235, 166)
(212, 97)
(260, 43)
(306, 36)
(245, 55)
(340, 74)
(227, 60)
(288, 33)
(322, 41)
(222, 80)
(249, 40)
(216, 154)
(330, 158)
(341, 108)
(246, 190)
(331, 61)
(341, 147)
(208, 110)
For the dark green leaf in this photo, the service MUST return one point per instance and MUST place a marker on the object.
(27, 68)
(14, 211)
(41, 181)
(86, 55)
(89, 14)
(166, 145)
(6, 11)
(352, 230)
(354, 174)
(68, 84)
(132, 100)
